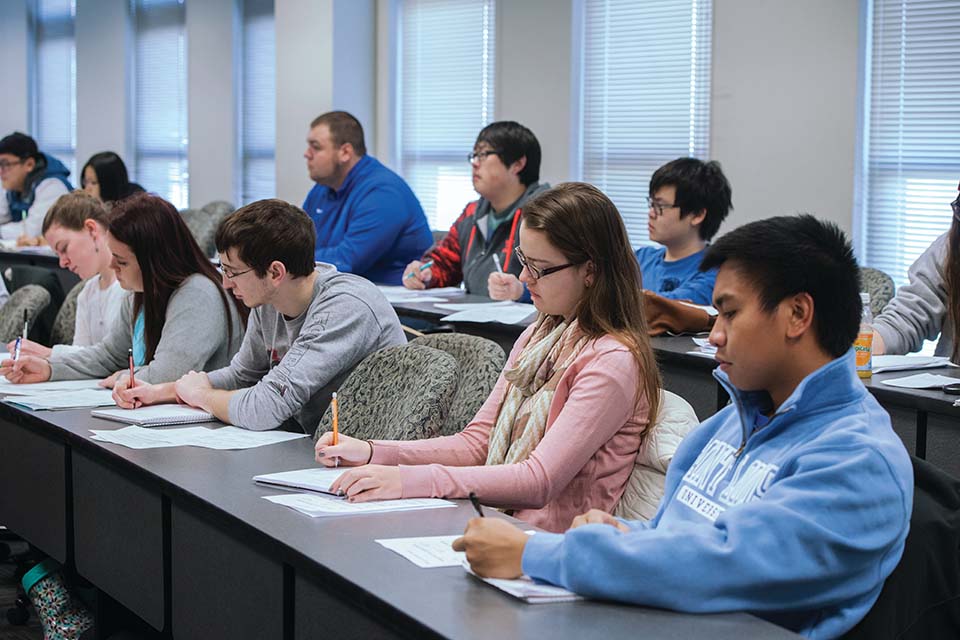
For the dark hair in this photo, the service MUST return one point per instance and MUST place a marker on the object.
(512, 141)
(580, 221)
(72, 209)
(268, 230)
(112, 176)
(952, 284)
(167, 254)
(788, 255)
(344, 129)
(700, 185)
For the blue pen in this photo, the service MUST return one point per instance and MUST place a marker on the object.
(425, 265)
(21, 337)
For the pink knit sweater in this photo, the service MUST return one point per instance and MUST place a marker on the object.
(583, 461)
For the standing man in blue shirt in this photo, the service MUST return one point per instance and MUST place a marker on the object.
(368, 220)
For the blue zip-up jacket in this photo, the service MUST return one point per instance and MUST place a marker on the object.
(799, 522)
(677, 280)
(19, 202)
(373, 226)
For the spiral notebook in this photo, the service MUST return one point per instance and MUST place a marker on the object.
(156, 416)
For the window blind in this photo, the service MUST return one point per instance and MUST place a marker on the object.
(257, 95)
(446, 95)
(54, 109)
(160, 99)
(910, 163)
(645, 95)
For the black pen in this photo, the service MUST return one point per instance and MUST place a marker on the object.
(475, 501)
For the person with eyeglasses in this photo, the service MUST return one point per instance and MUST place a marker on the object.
(368, 220)
(929, 305)
(505, 164)
(32, 182)
(688, 200)
(178, 317)
(309, 326)
(563, 425)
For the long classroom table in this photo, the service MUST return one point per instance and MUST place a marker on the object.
(181, 538)
(926, 420)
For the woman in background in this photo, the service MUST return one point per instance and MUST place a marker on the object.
(105, 177)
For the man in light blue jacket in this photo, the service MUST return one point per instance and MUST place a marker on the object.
(792, 503)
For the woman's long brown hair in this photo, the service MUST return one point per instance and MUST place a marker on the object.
(168, 254)
(952, 282)
(580, 221)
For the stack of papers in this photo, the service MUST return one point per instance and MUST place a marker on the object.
(529, 591)
(8, 388)
(396, 295)
(316, 506)
(704, 348)
(313, 479)
(221, 439)
(505, 312)
(907, 363)
(921, 381)
(51, 400)
(155, 416)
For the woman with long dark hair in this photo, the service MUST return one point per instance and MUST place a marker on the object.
(930, 304)
(105, 177)
(178, 319)
(563, 425)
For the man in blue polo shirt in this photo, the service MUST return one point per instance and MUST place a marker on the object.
(368, 220)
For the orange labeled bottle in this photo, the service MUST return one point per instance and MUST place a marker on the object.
(863, 345)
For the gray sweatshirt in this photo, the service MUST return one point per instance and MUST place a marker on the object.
(194, 337)
(288, 367)
(919, 310)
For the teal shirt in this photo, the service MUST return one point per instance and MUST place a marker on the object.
(139, 343)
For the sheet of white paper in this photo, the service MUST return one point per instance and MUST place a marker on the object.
(9, 388)
(709, 355)
(468, 306)
(402, 294)
(705, 346)
(64, 400)
(921, 381)
(711, 311)
(312, 479)
(428, 552)
(221, 439)
(909, 362)
(527, 590)
(316, 506)
(505, 313)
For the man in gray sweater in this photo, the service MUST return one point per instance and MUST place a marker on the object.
(309, 326)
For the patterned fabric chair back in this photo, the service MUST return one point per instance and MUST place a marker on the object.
(480, 362)
(65, 323)
(203, 223)
(31, 298)
(880, 287)
(397, 393)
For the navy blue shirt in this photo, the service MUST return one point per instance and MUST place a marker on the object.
(677, 280)
(373, 226)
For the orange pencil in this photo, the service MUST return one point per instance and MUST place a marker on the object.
(336, 432)
(133, 382)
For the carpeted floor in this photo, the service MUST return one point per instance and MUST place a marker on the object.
(8, 594)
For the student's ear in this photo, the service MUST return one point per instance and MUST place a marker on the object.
(800, 312)
(30, 164)
(590, 273)
(90, 225)
(346, 151)
(696, 219)
(518, 166)
(276, 271)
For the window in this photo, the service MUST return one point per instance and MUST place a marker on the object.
(257, 102)
(445, 86)
(54, 108)
(909, 165)
(645, 95)
(160, 99)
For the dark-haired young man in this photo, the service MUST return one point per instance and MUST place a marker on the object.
(32, 181)
(792, 503)
(368, 220)
(506, 174)
(688, 200)
(309, 326)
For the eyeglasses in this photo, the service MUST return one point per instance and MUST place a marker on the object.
(6, 164)
(658, 207)
(478, 156)
(229, 274)
(536, 272)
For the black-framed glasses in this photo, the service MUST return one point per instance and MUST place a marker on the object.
(229, 273)
(6, 164)
(537, 273)
(658, 206)
(479, 156)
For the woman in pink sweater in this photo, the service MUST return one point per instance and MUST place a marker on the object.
(561, 429)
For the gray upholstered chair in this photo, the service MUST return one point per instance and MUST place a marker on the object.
(397, 393)
(65, 323)
(30, 298)
(480, 362)
(203, 223)
(880, 287)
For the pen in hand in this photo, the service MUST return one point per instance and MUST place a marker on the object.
(423, 267)
(475, 501)
(133, 382)
(496, 262)
(21, 337)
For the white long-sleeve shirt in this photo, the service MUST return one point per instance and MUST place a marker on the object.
(46, 194)
(97, 310)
